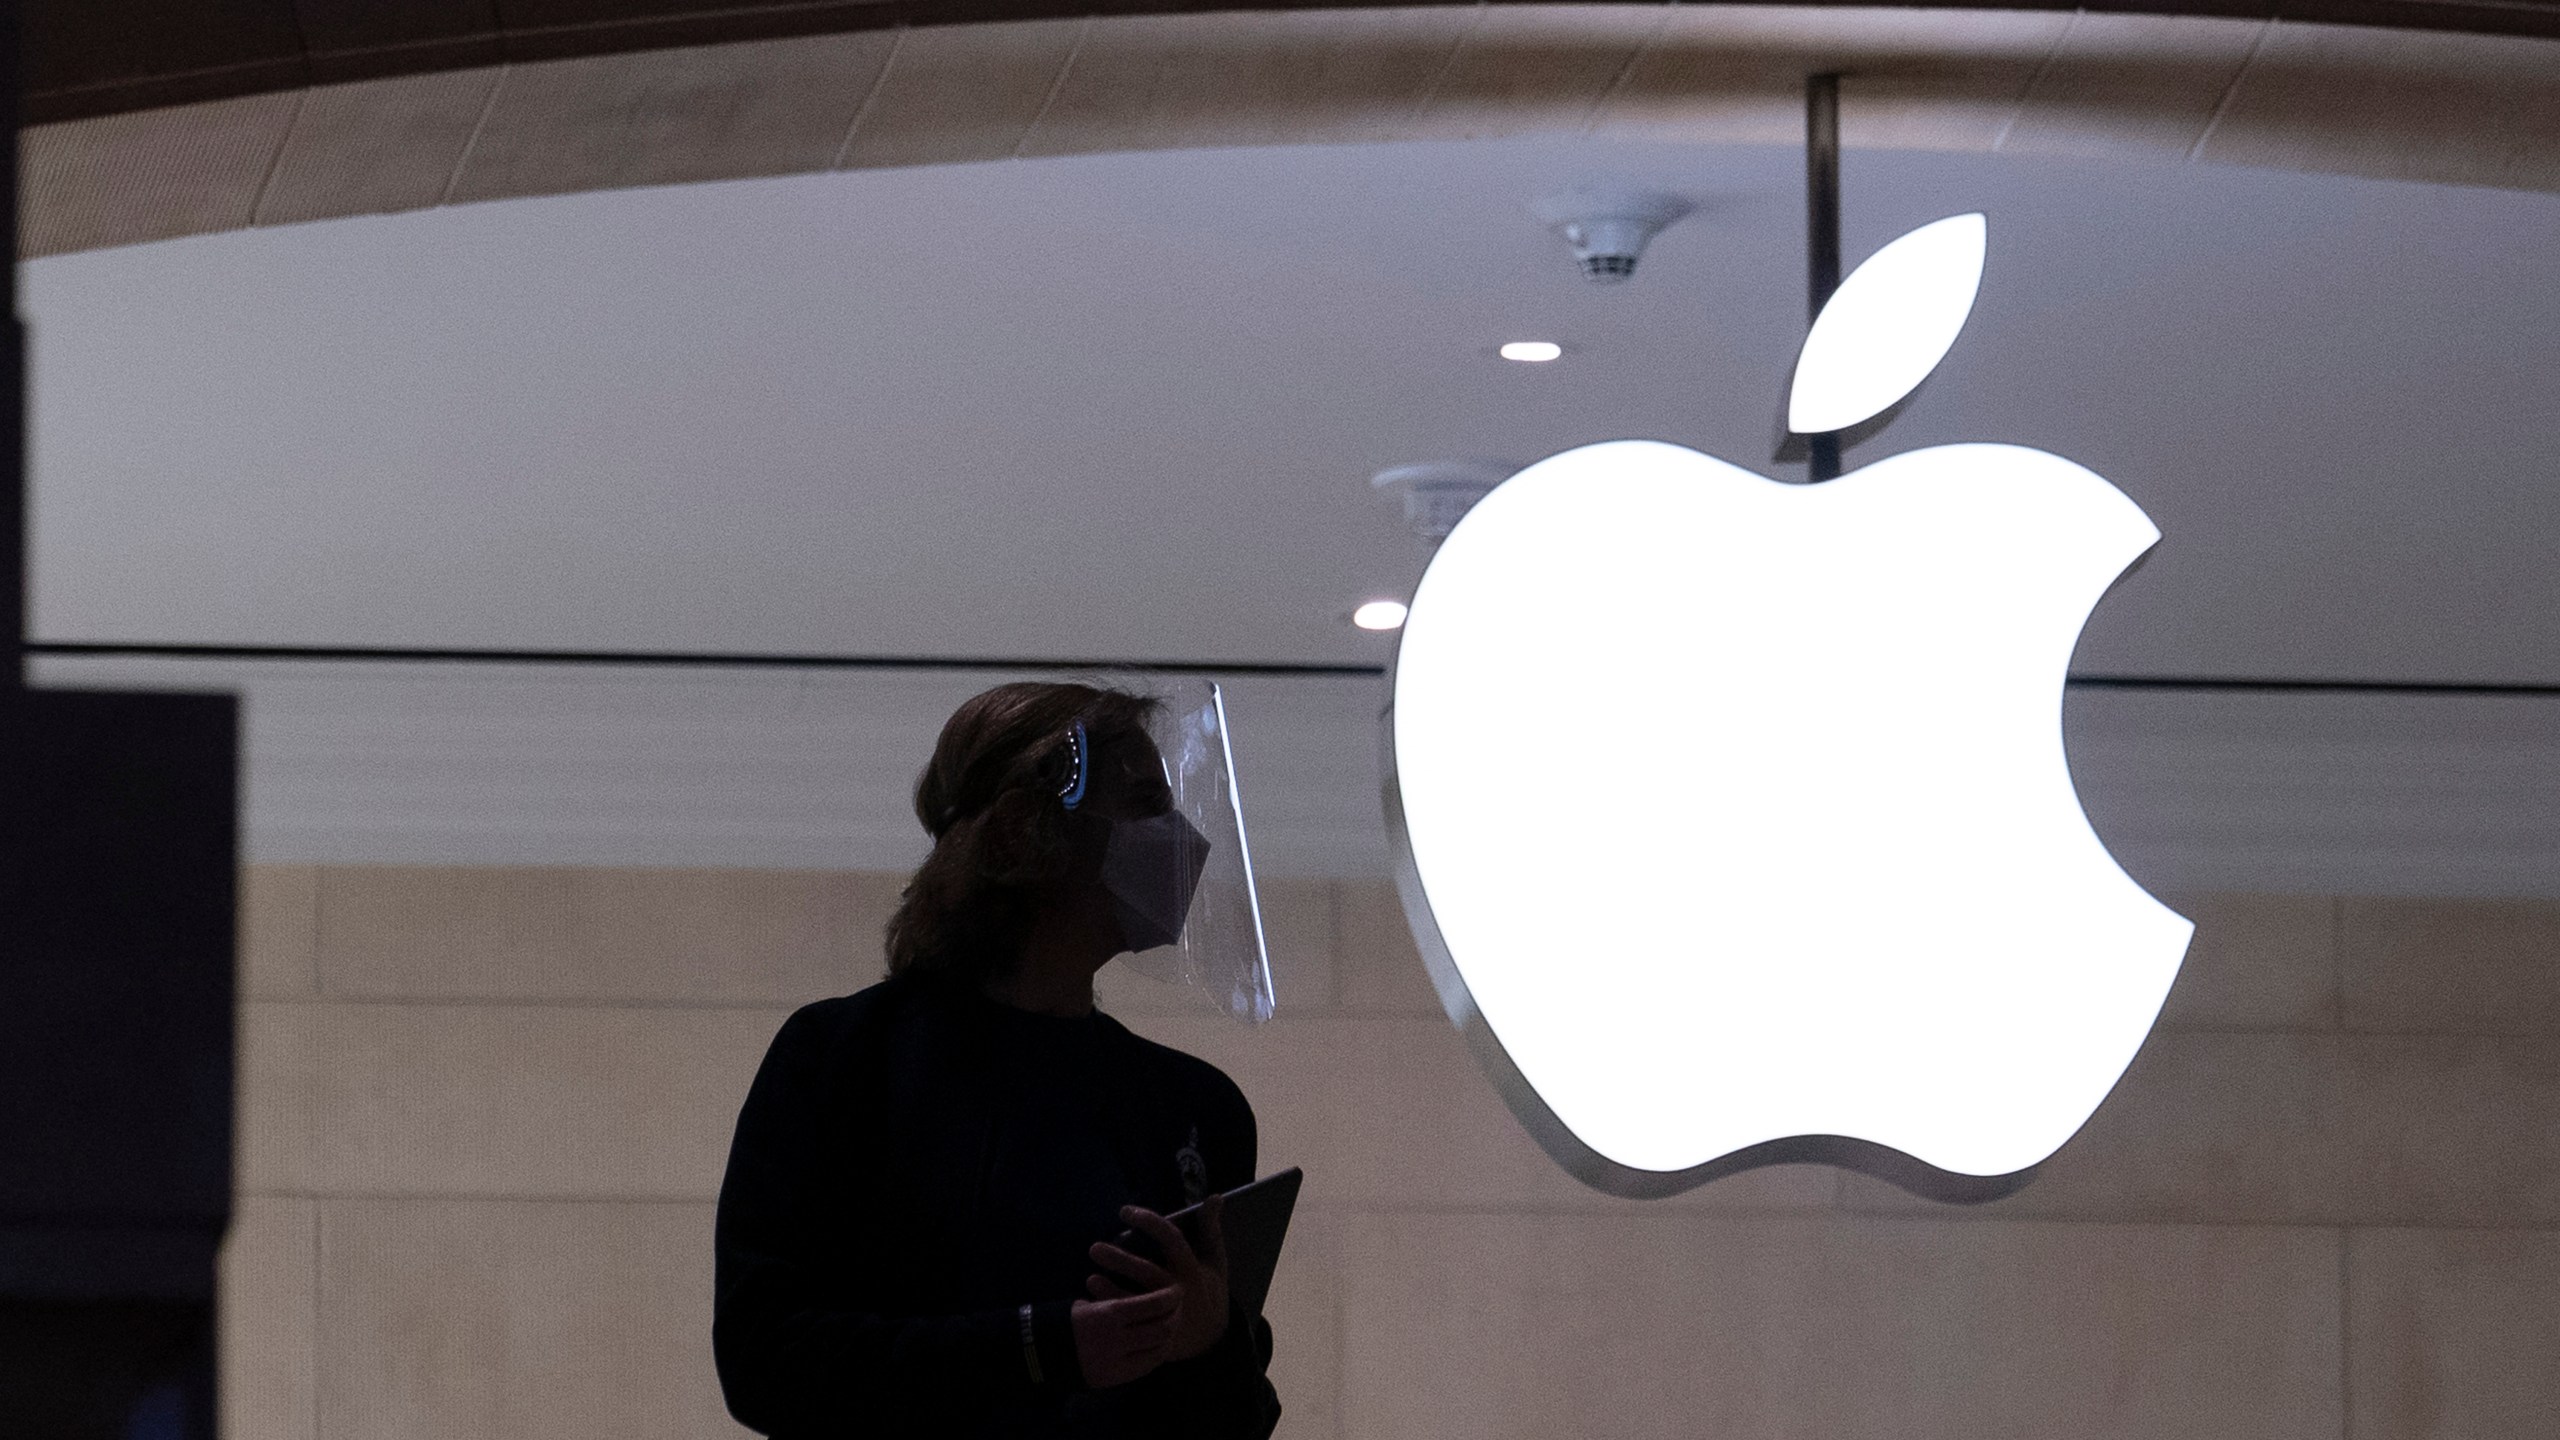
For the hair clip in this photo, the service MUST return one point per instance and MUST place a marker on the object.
(1071, 794)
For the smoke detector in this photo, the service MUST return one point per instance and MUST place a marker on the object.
(1608, 226)
(1437, 494)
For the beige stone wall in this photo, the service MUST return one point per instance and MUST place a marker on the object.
(484, 1113)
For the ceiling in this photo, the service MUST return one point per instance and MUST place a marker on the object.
(1126, 407)
(98, 57)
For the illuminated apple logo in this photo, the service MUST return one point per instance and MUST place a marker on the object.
(1733, 816)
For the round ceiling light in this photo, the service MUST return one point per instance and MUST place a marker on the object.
(1531, 352)
(1379, 615)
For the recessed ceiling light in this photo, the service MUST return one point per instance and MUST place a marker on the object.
(1379, 615)
(1532, 352)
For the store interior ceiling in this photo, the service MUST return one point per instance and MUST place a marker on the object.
(1125, 407)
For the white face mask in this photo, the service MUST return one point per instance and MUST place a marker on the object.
(1151, 867)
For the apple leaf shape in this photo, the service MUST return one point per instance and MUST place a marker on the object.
(1888, 325)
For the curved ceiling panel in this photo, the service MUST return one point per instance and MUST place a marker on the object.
(2463, 109)
(96, 57)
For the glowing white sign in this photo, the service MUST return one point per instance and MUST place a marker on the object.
(1782, 861)
(1888, 325)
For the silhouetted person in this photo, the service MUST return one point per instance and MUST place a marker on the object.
(913, 1232)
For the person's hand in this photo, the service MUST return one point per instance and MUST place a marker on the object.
(1196, 1279)
(1121, 1338)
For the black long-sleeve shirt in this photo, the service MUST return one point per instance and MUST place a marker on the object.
(914, 1164)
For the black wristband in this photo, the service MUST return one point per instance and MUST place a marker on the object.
(1051, 1345)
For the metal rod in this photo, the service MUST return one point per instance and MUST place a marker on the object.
(2265, 684)
(749, 660)
(1822, 235)
(674, 659)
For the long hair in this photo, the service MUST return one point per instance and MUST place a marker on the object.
(989, 798)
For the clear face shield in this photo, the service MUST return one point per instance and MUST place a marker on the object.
(1181, 879)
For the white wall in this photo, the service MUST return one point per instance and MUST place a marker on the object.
(532, 765)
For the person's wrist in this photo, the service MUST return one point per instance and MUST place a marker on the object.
(1210, 1335)
(1050, 1340)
